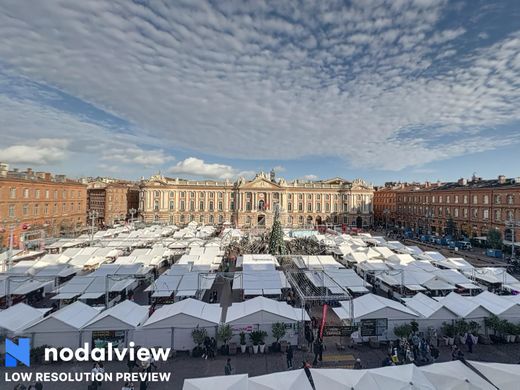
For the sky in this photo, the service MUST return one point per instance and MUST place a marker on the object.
(407, 90)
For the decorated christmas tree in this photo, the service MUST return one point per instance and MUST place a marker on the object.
(276, 243)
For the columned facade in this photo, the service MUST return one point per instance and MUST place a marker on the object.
(251, 204)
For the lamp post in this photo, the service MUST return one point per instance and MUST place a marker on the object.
(512, 224)
(132, 211)
(93, 214)
(9, 260)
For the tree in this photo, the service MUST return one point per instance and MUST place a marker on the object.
(494, 239)
(278, 330)
(276, 243)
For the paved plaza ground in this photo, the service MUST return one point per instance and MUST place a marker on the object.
(185, 367)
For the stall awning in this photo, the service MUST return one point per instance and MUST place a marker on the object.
(415, 287)
(65, 296)
(92, 295)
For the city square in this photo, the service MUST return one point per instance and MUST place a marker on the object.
(252, 195)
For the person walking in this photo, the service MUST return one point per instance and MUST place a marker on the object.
(357, 364)
(469, 342)
(289, 356)
(228, 370)
(317, 351)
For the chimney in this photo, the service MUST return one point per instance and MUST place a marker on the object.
(462, 181)
(501, 179)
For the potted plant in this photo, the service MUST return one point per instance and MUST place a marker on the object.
(255, 337)
(461, 328)
(263, 335)
(414, 326)
(449, 333)
(403, 331)
(198, 335)
(509, 331)
(278, 331)
(474, 327)
(224, 334)
(242, 342)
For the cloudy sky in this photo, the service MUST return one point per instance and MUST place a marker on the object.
(385, 90)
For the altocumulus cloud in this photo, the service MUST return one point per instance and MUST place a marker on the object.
(196, 167)
(276, 80)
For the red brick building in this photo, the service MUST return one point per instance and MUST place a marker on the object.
(475, 206)
(39, 204)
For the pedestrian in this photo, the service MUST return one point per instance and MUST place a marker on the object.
(213, 346)
(227, 368)
(357, 364)
(128, 386)
(289, 355)
(143, 385)
(101, 370)
(469, 342)
(316, 348)
(454, 353)
(387, 361)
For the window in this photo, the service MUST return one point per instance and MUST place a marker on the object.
(248, 206)
(192, 194)
(440, 198)
(64, 194)
(46, 209)
(212, 219)
(25, 209)
(55, 208)
(318, 207)
(456, 199)
(290, 220)
(300, 196)
(510, 199)
(220, 195)
(202, 194)
(309, 207)
(172, 194)
(456, 212)
(201, 205)
(300, 219)
(486, 199)
(192, 217)
(55, 194)
(156, 205)
(440, 212)
(172, 205)
(497, 215)
(183, 206)
(11, 210)
(289, 207)
(64, 207)
(232, 205)
(485, 214)
(289, 196)
(211, 205)
(498, 199)
(447, 199)
(212, 195)
(192, 205)
(220, 219)
(475, 199)
(12, 193)
(46, 194)
(201, 219)
(510, 215)
(156, 194)
(25, 193)
(433, 198)
(465, 213)
(37, 194)
(183, 194)
(465, 199)
(300, 207)
(220, 206)
(309, 196)
(318, 197)
(72, 207)
(182, 218)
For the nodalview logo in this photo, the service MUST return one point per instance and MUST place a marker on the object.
(20, 352)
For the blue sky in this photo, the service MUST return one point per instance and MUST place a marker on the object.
(383, 90)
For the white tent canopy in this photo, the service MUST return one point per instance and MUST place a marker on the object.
(288, 380)
(504, 376)
(226, 382)
(18, 317)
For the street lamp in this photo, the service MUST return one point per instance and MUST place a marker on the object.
(9, 260)
(511, 225)
(132, 211)
(93, 214)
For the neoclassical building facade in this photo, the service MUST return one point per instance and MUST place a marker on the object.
(252, 203)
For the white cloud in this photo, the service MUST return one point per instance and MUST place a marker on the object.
(196, 167)
(134, 155)
(42, 152)
(228, 79)
(310, 177)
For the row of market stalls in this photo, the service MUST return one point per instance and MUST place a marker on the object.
(169, 326)
(377, 316)
(439, 376)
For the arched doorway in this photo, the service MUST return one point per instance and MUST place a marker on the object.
(319, 220)
(359, 222)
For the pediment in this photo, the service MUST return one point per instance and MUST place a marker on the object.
(260, 183)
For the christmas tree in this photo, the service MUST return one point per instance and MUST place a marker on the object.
(276, 243)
